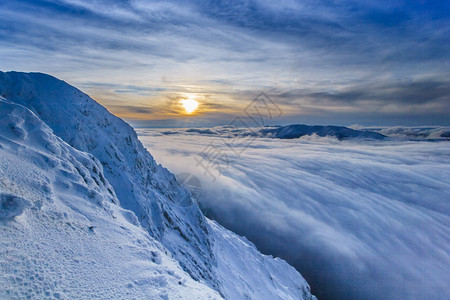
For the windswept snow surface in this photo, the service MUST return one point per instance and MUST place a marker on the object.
(361, 218)
(87, 213)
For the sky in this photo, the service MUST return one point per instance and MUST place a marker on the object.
(320, 62)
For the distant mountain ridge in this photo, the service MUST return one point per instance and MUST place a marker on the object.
(298, 130)
(293, 131)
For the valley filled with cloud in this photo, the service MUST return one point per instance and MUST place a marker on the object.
(359, 218)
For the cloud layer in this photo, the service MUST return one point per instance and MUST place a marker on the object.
(359, 219)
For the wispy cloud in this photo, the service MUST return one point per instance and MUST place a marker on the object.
(236, 49)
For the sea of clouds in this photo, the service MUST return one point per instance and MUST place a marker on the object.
(360, 219)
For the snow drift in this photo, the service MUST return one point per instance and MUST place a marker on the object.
(101, 218)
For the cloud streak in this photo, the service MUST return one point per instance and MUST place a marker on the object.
(356, 56)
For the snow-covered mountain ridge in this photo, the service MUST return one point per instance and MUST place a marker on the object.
(81, 198)
(293, 131)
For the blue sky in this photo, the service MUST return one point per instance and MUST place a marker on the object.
(322, 62)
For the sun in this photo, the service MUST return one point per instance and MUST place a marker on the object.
(190, 105)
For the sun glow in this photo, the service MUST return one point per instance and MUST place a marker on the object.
(190, 105)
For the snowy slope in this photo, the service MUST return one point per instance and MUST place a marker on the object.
(251, 275)
(62, 236)
(129, 181)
